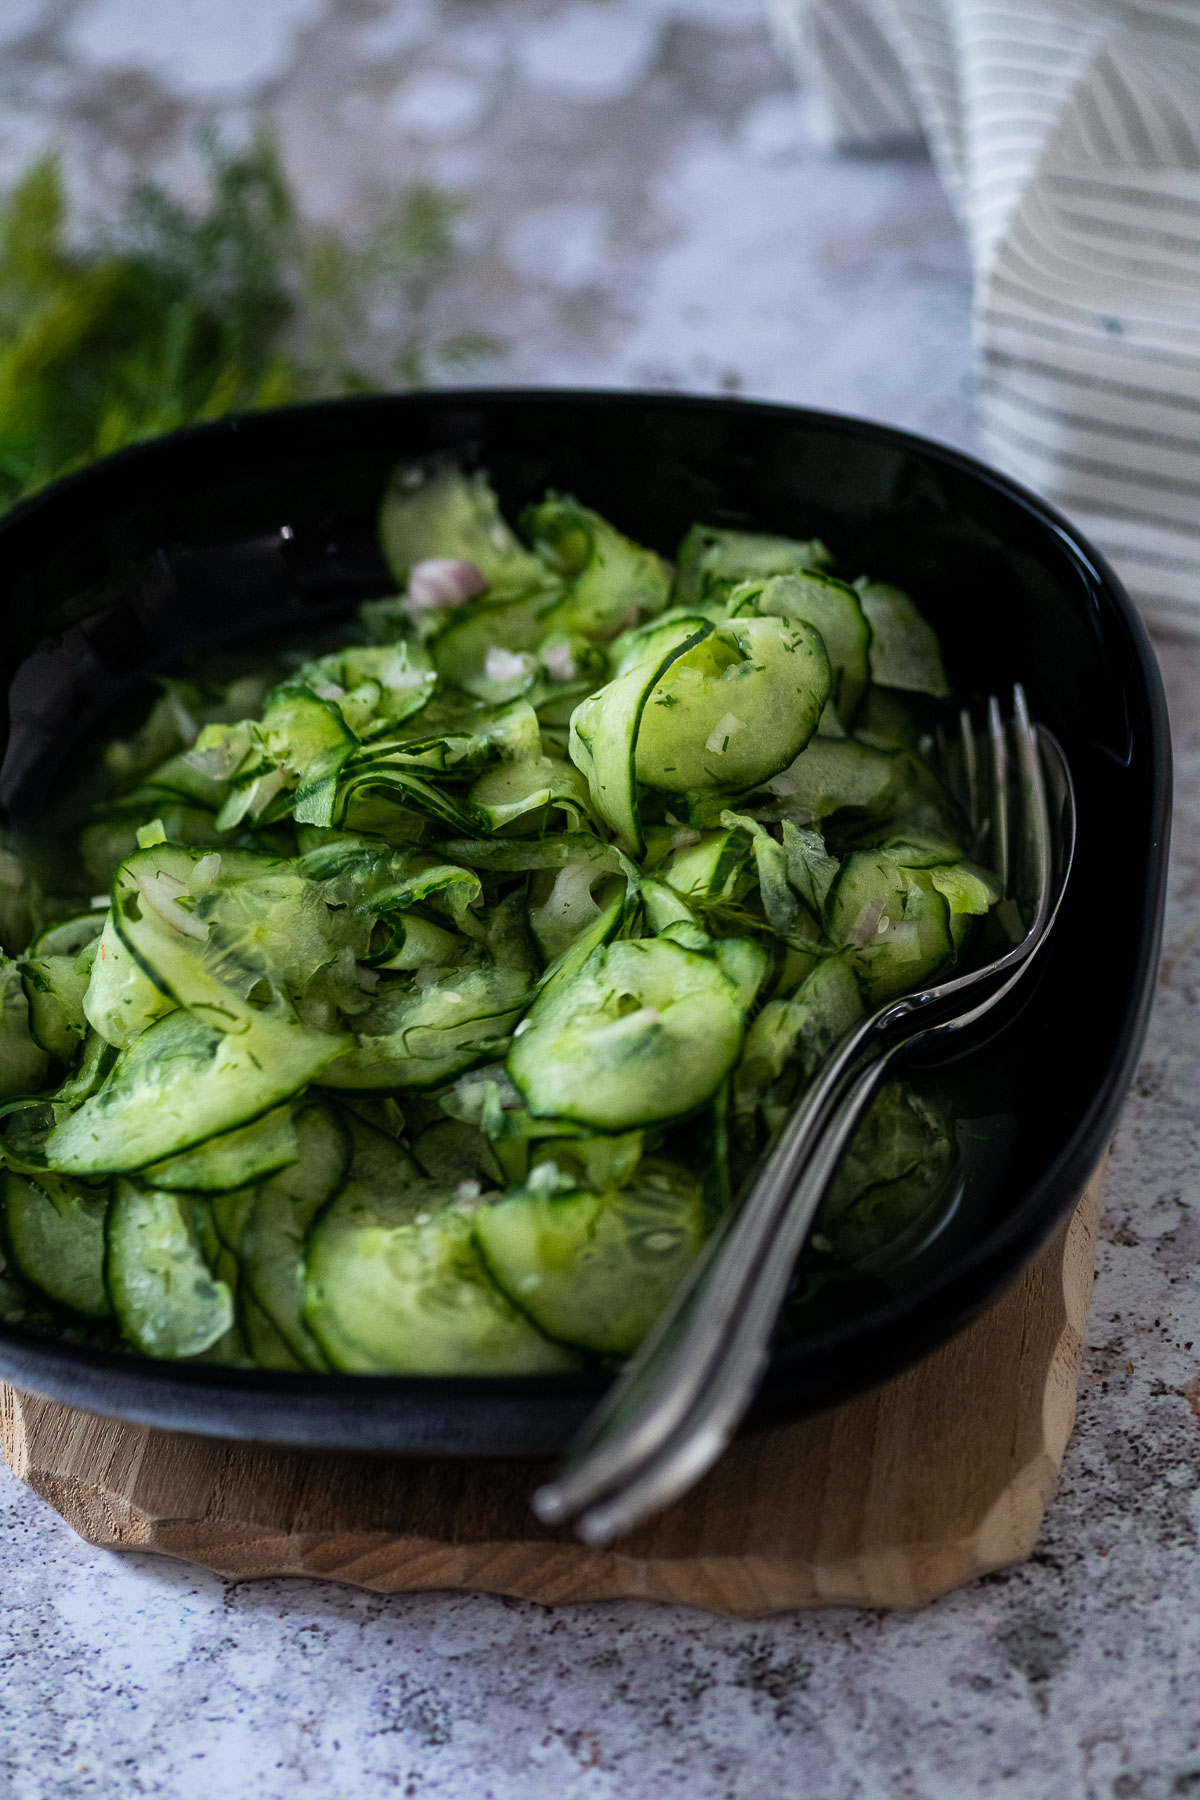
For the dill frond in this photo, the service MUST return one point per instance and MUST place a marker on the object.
(175, 315)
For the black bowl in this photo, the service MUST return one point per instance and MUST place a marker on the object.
(267, 523)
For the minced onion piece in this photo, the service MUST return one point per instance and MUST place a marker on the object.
(206, 870)
(866, 926)
(508, 665)
(442, 583)
(155, 890)
(718, 738)
(559, 663)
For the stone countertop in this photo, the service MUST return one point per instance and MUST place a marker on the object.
(647, 205)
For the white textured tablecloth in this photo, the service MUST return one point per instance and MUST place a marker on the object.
(1067, 134)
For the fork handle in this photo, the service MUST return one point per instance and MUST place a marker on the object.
(673, 1410)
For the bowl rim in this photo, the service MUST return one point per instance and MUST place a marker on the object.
(958, 1292)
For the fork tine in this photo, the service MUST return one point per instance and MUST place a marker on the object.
(1000, 823)
(1036, 847)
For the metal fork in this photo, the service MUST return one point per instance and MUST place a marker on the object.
(681, 1398)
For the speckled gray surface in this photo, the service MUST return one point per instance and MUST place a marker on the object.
(646, 207)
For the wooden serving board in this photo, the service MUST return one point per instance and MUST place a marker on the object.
(889, 1500)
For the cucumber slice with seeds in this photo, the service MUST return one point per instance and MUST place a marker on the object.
(894, 920)
(166, 1301)
(595, 1269)
(417, 1038)
(735, 708)
(645, 1032)
(181, 1083)
(396, 1286)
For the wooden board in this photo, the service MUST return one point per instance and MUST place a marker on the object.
(893, 1498)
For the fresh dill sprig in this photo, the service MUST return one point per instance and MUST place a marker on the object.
(176, 315)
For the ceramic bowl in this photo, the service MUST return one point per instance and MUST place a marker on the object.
(265, 524)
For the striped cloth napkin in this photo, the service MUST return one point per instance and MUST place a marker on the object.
(1067, 135)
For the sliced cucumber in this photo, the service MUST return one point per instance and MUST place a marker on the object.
(396, 1286)
(895, 1173)
(444, 513)
(610, 576)
(567, 908)
(166, 1301)
(745, 965)
(417, 1038)
(710, 866)
(382, 685)
(605, 729)
(602, 930)
(281, 1212)
(734, 709)
(836, 612)
(833, 775)
(450, 1151)
(23, 1061)
(229, 1215)
(54, 991)
(595, 1269)
(904, 646)
(645, 1032)
(56, 1233)
(711, 561)
(800, 1031)
(518, 789)
(664, 907)
(181, 1083)
(598, 1163)
(233, 1159)
(69, 936)
(122, 997)
(179, 936)
(649, 642)
(462, 650)
(268, 1348)
(894, 920)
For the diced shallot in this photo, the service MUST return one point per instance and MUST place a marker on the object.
(441, 583)
(717, 741)
(206, 871)
(558, 662)
(507, 665)
(866, 926)
(160, 892)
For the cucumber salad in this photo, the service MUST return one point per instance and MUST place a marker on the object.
(416, 1005)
